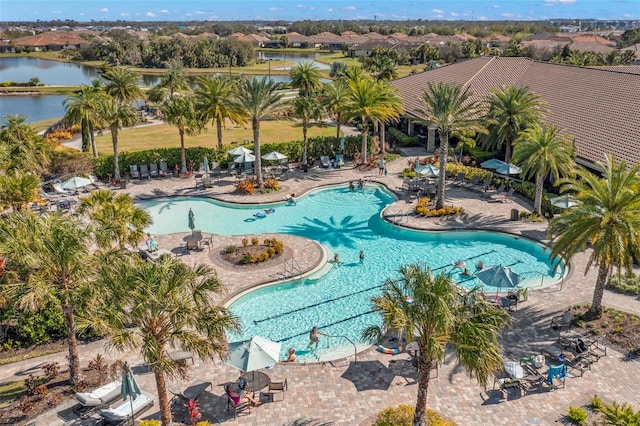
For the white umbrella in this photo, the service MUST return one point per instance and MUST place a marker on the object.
(564, 201)
(508, 169)
(76, 182)
(253, 354)
(499, 277)
(274, 156)
(245, 158)
(239, 151)
(428, 170)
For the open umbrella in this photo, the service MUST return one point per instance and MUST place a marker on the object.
(206, 165)
(253, 354)
(129, 388)
(499, 277)
(244, 158)
(494, 163)
(428, 170)
(192, 220)
(75, 183)
(508, 169)
(564, 201)
(239, 151)
(274, 156)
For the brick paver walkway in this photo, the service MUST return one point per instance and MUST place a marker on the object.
(348, 393)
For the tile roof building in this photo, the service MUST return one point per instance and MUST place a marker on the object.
(598, 107)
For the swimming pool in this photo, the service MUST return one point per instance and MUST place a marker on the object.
(337, 299)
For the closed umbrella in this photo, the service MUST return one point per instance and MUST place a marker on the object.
(76, 182)
(508, 169)
(564, 201)
(129, 388)
(274, 156)
(245, 158)
(206, 165)
(492, 164)
(428, 170)
(239, 151)
(253, 354)
(192, 220)
(499, 277)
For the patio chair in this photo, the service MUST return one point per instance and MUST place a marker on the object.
(100, 396)
(134, 172)
(207, 182)
(144, 172)
(459, 180)
(496, 191)
(505, 196)
(562, 322)
(243, 404)
(153, 170)
(193, 392)
(340, 160)
(164, 169)
(122, 412)
(475, 181)
(325, 162)
(556, 375)
(231, 167)
(274, 389)
(530, 384)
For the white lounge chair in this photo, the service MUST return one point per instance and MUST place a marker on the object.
(122, 412)
(60, 190)
(325, 162)
(101, 396)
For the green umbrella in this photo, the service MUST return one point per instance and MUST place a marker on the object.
(129, 388)
(192, 220)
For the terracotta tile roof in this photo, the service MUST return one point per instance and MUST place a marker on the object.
(51, 38)
(294, 37)
(599, 107)
(591, 38)
(591, 47)
(630, 69)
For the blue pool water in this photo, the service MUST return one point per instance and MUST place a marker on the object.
(337, 299)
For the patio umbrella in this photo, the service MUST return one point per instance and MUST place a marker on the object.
(239, 151)
(129, 388)
(206, 165)
(494, 163)
(245, 158)
(564, 201)
(192, 220)
(253, 354)
(274, 156)
(75, 183)
(499, 277)
(428, 170)
(508, 169)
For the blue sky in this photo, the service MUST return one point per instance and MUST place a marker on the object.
(292, 10)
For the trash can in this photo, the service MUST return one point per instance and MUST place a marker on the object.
(305, 168)
(515, 214)
(123, 184)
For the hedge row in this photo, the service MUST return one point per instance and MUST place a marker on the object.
(401, 138)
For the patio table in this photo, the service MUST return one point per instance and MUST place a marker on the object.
(256, 381)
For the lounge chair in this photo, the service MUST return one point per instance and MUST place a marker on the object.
(325, 162)
(475, 181)
(134, 172)
(459, 180)
(562, 322)
(144, 172)
(164, 169)
(122, 412)
(100, 396)
(505, 196)
(153, 170)
(275, 389)
(484, 186)
(193, 392)
(60, 190)
(340, 160)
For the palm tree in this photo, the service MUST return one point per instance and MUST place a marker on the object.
(438, 316)
(122, 85)
(181, 111)
(81, 108)
(540, 150)
(259, 99)
(116, 217)
(306, 109)
(371, 100)
(48, 258)
(18, 189)
(174, 80)
(21, 148)
(449, 108)
(607, 217)
(334, 99)
(216, 99)
(305, 76)
(511, 110)
(169, 304)
(117, 116)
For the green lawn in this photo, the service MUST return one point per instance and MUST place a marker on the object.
(166, 136)
(9, 392)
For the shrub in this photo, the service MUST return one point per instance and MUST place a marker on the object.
(271, 185)
(629, 284)
(620, 414)
(245, 259)
(254, 241)
(31, 383)
(408, 173)
(36, 328)
(246, 186)
(596, 403)
(99, 365)
(25, 404)
(530, 216)
(149, 423)
(41, 391)
(401, 138)
(577, 416)
(423, 210)
(231, 249)
(51, 370)
(402, 415)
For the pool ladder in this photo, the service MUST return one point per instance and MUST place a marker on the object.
(291, 269)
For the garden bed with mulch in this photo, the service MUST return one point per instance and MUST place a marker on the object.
(619, 330)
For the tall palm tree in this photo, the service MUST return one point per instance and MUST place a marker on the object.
(169, 304)
(181, 111)
(371, 100)
(540, 150)
(306, 110)
(449, 108)
(117, 116)
(216, 99)
(305, 76)
(81, 107)
(334, 99)
(438, 316)
(116, 217)
(48, 259)
(259, 99)
(511, 110)
(174, 80)
(21, 148)
(122, 85)
(607, 217)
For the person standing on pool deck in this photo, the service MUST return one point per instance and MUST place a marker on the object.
(314, 337)
(381, 166)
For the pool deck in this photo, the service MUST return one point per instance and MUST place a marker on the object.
(333, 391)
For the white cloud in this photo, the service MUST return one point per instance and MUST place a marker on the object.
(507, 15)
(275, 9)
(628, 15)
(81, 13)
(164, 11)
(300, 6)
(104, 9)
(200, 12)
(188, 15)
(349, 8)
(124, 14)
(330, 10)
(56, 12)
(455, 14)
(496, 6)
(150, 14)
(438, 11)
(556, 2)
(482, 18)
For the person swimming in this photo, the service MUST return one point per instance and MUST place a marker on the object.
(270, 210)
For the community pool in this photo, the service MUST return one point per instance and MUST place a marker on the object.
(337, 298)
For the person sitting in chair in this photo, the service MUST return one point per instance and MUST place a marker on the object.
(238, 395)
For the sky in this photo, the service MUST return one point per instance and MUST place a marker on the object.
(295, 10)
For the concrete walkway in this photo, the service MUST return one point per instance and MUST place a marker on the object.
(348, 393)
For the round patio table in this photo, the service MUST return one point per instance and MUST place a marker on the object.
(256, 380)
